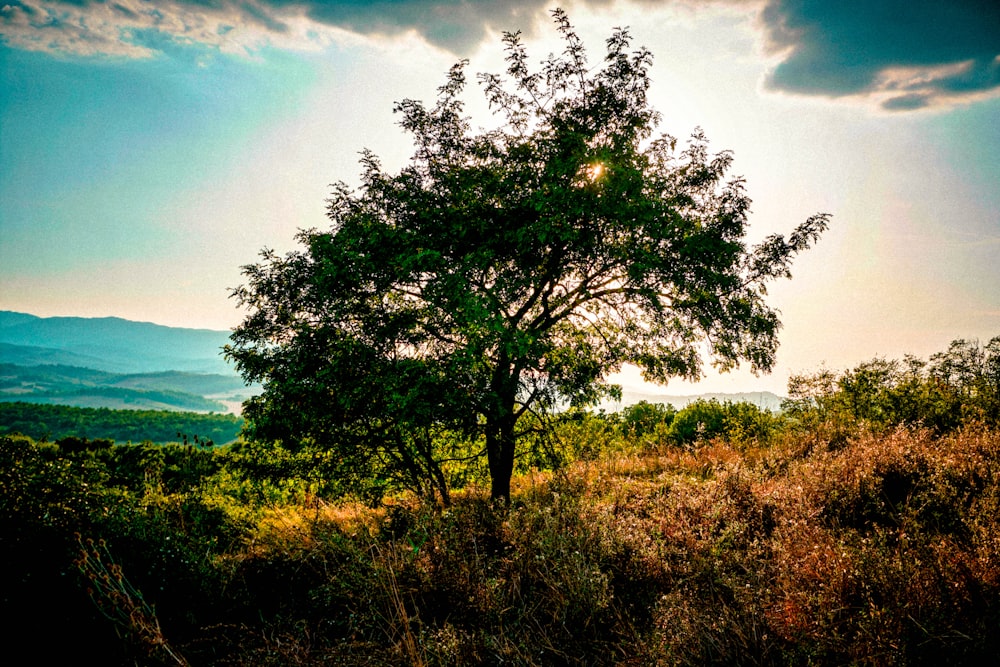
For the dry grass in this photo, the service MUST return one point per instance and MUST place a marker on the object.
(869, 550)
(861, 549)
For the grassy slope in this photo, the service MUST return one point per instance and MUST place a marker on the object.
(859, 550)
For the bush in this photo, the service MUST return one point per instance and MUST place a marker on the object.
(644, 418)
(741, 423)
(698, 421)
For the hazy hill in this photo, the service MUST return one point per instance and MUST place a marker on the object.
(87, 387)
(110, 344)
(29, 355)
(115, 363)
(762, 399)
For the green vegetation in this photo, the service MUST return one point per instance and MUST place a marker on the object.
(818, 536)
(953, 387)
(504, 273)
(54, 422)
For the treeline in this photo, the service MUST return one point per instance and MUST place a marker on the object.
(958, 386)
(954, 388)
(56, 422)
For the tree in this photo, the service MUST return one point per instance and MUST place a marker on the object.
(508, 271)
(955, 388)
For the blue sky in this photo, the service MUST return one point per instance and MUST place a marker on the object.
(149, 149)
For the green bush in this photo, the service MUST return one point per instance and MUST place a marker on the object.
(697, 421)
(644, 418)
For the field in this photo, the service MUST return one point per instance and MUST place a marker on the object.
(821, 541)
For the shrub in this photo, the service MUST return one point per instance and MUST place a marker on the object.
(698, 421)
(644, 418)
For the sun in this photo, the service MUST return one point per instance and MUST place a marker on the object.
(594, 171)
(589, 174)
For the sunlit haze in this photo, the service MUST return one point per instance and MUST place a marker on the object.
(148, 150)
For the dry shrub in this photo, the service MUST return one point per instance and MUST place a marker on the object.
(883, 551)
(869, 550)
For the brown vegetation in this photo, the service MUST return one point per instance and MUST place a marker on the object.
(880, 550)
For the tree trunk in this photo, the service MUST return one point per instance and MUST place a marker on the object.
(500, 456)
(500, 437)
(501, 421)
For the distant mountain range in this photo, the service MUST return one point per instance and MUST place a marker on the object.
(116, 363)
(110, 344)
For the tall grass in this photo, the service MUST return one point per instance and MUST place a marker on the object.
(811, 547)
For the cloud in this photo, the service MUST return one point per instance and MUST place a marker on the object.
(907, 54)
(114, 27)
(455, 25)
(124, 27)
(904, 54)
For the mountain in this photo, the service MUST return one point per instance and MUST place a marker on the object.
(110, 344)
(115, 363)
(29, 355)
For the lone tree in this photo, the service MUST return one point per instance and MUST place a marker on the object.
(507, 272)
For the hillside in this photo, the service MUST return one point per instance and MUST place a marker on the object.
(116, 363)
(86, 387)
(110, 344)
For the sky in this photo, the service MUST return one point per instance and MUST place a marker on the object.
(149, 149)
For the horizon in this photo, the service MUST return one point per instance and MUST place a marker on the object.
(628, 379)
(148, 154)
(638, 391)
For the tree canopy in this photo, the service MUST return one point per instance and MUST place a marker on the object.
(504, 273)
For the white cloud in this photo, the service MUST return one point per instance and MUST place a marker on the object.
(138, 29)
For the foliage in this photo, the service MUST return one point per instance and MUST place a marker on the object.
(644, 418)
(952, 388)
(55, 422)
(163, 513)
(506, 272)
(701, 420)
(739, 423)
